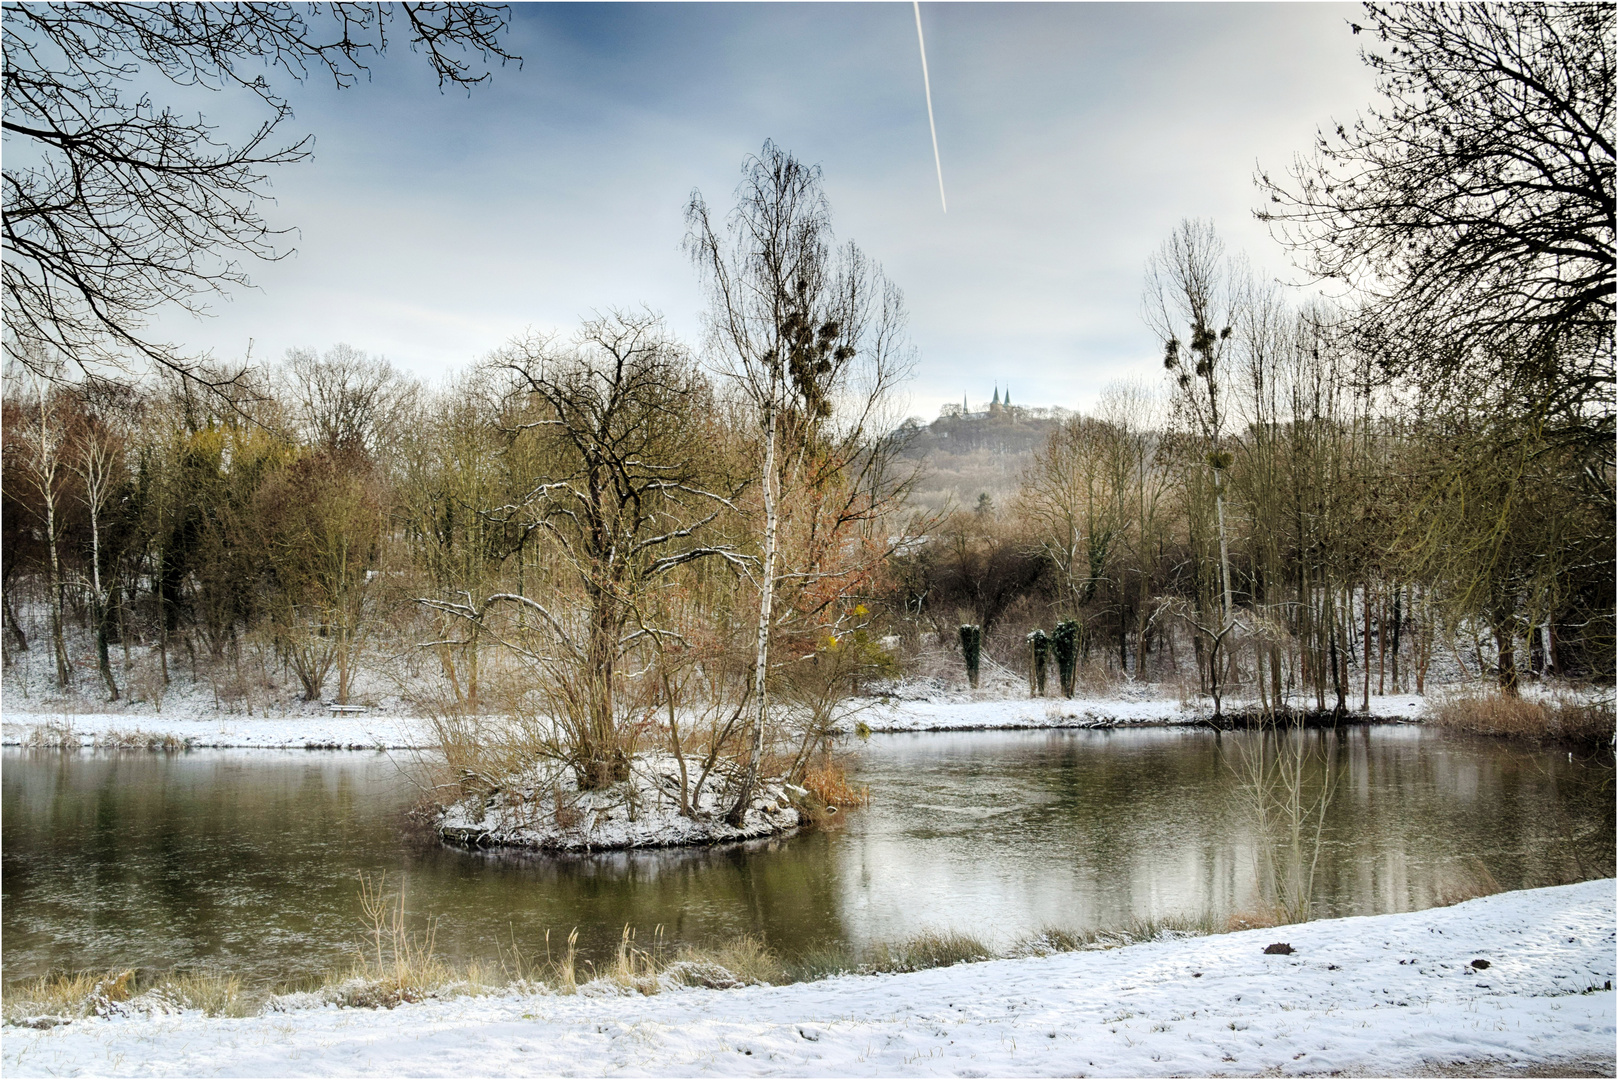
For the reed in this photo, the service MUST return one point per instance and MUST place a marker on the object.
(1557, 717)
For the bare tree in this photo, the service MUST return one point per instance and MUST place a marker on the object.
(1472, 207)
(116, 207)
(812, 337)
(341, 399)
(41, 468)
(609, 437)
(1189, 306)
(98, 459)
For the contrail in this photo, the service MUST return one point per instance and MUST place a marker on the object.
(928, 86)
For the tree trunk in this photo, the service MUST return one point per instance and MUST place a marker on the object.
(766, 602)
(11, 621)
(1505, 642)
(58, 641)
(1365, 652)
(100, 610)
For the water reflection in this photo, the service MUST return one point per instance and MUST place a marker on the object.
(249, 858)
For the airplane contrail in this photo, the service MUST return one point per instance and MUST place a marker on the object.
(928, 86)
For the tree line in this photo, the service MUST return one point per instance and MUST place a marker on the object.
(1293, 526)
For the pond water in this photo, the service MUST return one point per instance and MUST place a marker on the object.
(249, 860)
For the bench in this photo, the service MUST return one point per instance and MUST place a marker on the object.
(337, 710)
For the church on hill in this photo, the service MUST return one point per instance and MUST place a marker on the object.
(999, 405)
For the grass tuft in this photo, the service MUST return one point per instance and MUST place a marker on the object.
(62, 998)
(928, 949)
(827, 780)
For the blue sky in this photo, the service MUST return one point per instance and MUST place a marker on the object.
(432, 226)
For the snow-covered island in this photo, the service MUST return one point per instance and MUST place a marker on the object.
(551, 813)
(1499, 984)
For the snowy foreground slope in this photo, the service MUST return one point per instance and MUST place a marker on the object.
(1383, 995)
(398, 732)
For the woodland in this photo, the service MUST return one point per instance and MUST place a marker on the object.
(629, 542)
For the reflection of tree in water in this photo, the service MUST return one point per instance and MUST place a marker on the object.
(784, 890)
(1287, 777)
(1583, 831)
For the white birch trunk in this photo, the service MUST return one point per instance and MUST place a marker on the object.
(766, 604)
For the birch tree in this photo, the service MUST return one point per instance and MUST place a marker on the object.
(811, 337)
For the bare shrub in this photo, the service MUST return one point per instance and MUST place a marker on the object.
(827, 780)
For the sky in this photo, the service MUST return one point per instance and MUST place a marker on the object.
(432, 226)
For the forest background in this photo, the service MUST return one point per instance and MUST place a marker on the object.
(616, 526)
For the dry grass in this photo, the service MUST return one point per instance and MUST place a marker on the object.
(52, 735)
(928, 949)
(136, 739)
(61, 735)
(1556, 718)
(746, 959)
(60, 998)
(1058, 939)
(399, 964)
(827, 780)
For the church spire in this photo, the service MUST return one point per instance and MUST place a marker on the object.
(997, 394)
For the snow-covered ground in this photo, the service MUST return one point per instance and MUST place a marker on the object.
(372, 730)
(1384, 995)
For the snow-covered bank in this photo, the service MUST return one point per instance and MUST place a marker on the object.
(277, 733)
(379, 731)
(1383, 995)
(955, 715)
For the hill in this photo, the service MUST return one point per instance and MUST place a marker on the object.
(967, 454)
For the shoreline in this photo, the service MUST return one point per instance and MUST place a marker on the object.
(51, 729)
(1395, 994)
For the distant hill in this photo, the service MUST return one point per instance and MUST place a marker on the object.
(969, 453)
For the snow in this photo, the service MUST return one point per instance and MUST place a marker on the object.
(377, 730)
(945, 714)
(549, 812)
(365, 732)
(1384, 995)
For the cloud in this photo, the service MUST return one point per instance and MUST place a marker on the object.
(1073, 137)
